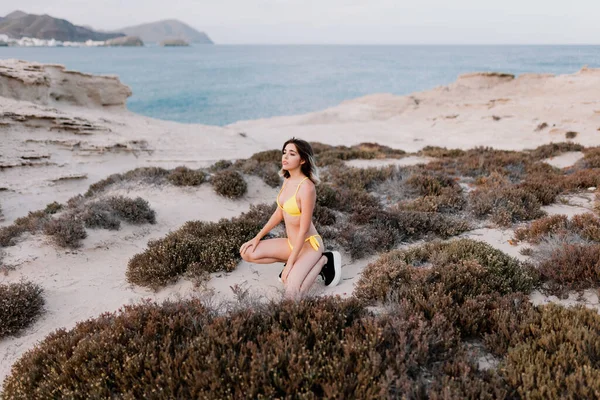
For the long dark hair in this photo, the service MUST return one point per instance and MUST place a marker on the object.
(309, 168)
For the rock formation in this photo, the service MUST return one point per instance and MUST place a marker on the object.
(52, 84)
(129, 41)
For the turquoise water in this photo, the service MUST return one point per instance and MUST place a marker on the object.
(218, 85)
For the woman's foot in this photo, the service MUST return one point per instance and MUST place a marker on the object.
(332, 270)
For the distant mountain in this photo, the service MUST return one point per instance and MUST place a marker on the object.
(16, 14)
(167, 29)
(18, 24)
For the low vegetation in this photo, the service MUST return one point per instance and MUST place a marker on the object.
(419, 322)
(20, 305)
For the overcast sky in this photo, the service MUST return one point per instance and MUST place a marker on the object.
(345, 21)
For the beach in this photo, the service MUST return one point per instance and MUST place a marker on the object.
(63, 131)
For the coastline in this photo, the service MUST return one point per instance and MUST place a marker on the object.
(50, 140)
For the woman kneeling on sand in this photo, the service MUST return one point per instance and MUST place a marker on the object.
(303, 250)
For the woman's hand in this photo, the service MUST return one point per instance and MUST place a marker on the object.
(252, 243)
(286, 271)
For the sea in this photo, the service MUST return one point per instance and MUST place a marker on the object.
(222, 84)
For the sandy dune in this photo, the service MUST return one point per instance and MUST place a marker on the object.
(53, 150)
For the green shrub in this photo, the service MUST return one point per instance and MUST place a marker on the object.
(429, 184)
(500, 272)
(53, 208)
(100, 214)
(267, 156)
(440, 152)
(220, 165)
(66, 231)
(229, 184)
(183, 176)
(196, 248)
(505, 205)
(357, 178)
(450, 200)
(20, 305)
(558, 356)
(267, 171)
(134, 211)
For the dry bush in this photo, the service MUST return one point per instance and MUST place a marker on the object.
(267, 171)
(572, 266)
(450, 200)
(333, 156)
(371, 230)
(587, 226)
(505, 205)
(361, 240)
(20, 304)
(102, 185)
(417, 225)
(483, 161)
(135, 211)
(327, 196)
(554, 149)
(591, 157)
(267, 156)
(501, 273)
(32, 223)
(552, 224)
(357, 178)
(229, 184)
(196, 248)
(317, 348)
(100, 214)
(53, 208)
(220, 165)
(323, 216)
(557, 356)
(67, 231)
(425, 184)
(579, 179)
(150, 175)
(183, 176)
(440, 152)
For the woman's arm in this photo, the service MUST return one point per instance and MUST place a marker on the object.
(308, 198)
(272, 223)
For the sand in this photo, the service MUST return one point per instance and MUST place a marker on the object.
(51, 151)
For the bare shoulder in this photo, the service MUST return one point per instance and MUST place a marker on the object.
(308, 187)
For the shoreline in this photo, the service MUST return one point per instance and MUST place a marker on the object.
(53, 150)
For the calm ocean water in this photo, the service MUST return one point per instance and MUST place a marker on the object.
(218, 85)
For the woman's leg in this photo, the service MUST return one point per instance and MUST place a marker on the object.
(268, 251)
(305, 271)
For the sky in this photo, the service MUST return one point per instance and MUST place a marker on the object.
(345, 21)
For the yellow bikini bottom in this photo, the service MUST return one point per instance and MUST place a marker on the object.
(313, 242)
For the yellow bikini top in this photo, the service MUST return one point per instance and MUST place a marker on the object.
(290, 206)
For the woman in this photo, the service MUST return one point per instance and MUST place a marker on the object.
(302, 250)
